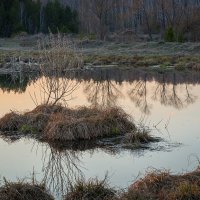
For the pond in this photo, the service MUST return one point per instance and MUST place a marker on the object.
(167, 102)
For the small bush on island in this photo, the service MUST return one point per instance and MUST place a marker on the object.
(58, 53)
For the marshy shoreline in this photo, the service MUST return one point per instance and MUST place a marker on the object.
(155, 185)
(103, 54)
(83, 128)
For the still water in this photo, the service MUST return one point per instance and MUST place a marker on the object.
(169, 103)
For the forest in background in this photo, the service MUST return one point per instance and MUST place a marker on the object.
(33, 17)
(172, 20)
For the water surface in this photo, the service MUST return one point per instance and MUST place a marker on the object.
(168, 102)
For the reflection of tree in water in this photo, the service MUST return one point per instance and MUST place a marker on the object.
(190, 98)
(174, 99)
(62, 165)
(16, 82)
(161, 92)
(61, 168)
(168, 94)
(139, 95)
(61, 162)
(102, 93)
(171, 94)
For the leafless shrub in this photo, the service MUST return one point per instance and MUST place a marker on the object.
(58, 53)
(58, 56)
(54, 90)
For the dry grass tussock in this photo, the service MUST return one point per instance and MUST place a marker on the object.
(139, 136)
(57, 123)
(93, 189)
(23, 191)
(157, 185)
(164, 186)
(58, 53)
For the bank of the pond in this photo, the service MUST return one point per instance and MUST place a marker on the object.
(162, 185)
(55, 123)
(159, 55)
(156, 185)
(22, 190)
(158, 62)
(164, 62)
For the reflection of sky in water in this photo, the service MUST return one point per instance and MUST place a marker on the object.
(20, 158)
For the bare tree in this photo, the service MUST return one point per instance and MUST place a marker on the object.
(98, 13)
(58, 59)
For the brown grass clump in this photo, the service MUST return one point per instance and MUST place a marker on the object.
(87, 123)
(57, 123)
(93, 189)
(164, 186)
(10, 122)
(139, 136)
(23, 191)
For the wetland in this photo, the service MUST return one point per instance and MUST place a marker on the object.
(108, 118)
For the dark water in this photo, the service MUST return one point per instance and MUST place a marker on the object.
(167, 102)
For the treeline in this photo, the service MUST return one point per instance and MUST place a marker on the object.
(33, 17)
(172, 19)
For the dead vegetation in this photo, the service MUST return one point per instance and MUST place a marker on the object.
(61, 52)
(23, 191)
(60, 126)
(139, 136)
(57, 123)
(55, 53)
(58, 53)
(90, 190)
(54, 90)
(159, 185)
(156, 185)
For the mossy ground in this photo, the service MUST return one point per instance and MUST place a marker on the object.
(178, 62)
(136, 54)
